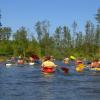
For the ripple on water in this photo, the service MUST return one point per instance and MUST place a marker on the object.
(27, 83)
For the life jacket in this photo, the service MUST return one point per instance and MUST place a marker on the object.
(80, 67)
(47, 70)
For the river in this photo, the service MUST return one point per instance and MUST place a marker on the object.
(28, 83)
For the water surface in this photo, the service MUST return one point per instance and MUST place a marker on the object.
(28, 83)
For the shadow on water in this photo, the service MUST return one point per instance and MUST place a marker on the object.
(29, 83)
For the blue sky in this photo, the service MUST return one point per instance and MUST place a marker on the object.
(17, 13)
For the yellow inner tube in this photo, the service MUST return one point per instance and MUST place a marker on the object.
(96, 69)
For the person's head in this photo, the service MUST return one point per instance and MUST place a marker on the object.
(52, 58)
(66, 60)
(99, 61)
(79, 61)
(88, 63)
(95, 60)
(47, 58)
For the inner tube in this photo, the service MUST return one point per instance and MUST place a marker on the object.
(95, 69)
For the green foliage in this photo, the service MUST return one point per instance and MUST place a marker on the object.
(5, 33)
(6, 48)
(61, 43)
(20, 42)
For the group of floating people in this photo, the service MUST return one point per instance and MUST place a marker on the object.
(81, 65)
(48, 65)
(31, 60)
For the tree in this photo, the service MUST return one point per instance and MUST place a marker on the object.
(21, 41)
(97, 17)
(38, 29)
(7, 33)
(74, 26)
(98, 28)
(58, 36)
(42, 29)
(97, 40)
(66, 37)
(0, 19)
(89, 37)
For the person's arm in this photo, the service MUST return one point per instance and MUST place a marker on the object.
(54, 65)
(42, 64)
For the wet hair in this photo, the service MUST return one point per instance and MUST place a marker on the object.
(95, 60)
(88, 62)
(47, 58)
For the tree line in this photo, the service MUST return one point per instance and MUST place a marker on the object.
(61, 43)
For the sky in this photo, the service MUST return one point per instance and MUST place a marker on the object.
(17, 13)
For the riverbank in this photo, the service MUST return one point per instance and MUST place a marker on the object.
(3, 58)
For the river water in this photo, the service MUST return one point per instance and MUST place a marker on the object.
(28, 83)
